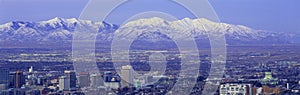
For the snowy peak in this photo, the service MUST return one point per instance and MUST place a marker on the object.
(147, 22)
(61, 20)
(55, 30)
(156, 21)
(193, 27)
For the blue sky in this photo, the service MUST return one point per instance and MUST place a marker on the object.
(272, 15)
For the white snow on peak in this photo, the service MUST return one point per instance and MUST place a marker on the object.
(5, 26)
(190, 27)
(71, 20)
(60, 21)
(54, 20)
(147, 22)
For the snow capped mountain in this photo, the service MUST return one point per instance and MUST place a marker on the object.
(150, 29)
(189, 29)
(56, 29)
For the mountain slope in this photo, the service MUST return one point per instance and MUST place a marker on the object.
(151, 29)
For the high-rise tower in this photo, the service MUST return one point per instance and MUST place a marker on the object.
(127, 76)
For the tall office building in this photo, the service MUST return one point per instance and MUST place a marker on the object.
(4, 76)
(84, 80)
(72, 76)
(127, 76)
(19, 79)
(64, 83)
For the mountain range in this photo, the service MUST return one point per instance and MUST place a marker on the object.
(58, 30)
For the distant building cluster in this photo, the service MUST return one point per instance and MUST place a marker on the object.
(109, 83)
(247, 73)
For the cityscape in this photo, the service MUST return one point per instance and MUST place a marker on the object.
(149, 47)
(259, 70)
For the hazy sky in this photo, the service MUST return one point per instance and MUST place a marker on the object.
(272, 15)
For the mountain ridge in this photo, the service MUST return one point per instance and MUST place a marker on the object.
(62, 29)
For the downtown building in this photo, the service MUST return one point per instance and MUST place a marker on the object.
(18, 79)
(4, 79)
(235, 89)
(68, 81)
(64, 83)
(71, 75)
(111, 81)
(127, 76)
(83, 80)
